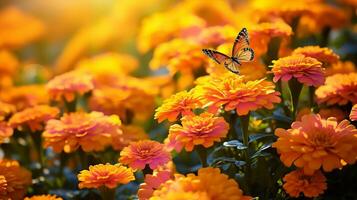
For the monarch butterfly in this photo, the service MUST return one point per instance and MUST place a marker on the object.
(241, 52)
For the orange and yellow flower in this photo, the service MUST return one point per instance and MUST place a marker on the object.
(145, 152)
(153, 182)
(203, 129)
(131, 133)
(14, 180)
(338, 89)
(107, 175)
(33, 117)
(296, 182)
(5, 131)
(306, 70)
(8, 67)
(43, 197)
(322, 54)
(353, 114)
(6, 109)
(180, 104)
(324, 113)
(69, 84)
(18, 28)
(200, 187)
(234, 93)
(314, 142)
(90, 131)
(340, 68)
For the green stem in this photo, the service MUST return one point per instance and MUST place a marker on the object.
(147, 170)
(311, 96)
(70, 106)
(83, 158)
(107, 193)
(273, 50)
(202, 153)
(245, 124)
(37, 142)
(295, 89)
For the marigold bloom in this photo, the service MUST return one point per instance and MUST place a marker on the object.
(5, 131)
(306, 70)
(181, 103)
(353, 114)
(145, 152)
(296, 182)
(25, 96)
(44, 197)
(14, 180)
(340, 68)
(130, 134)
(322, 54)
(324, 113)
(5, 110)
(69, 84)
(152, 182)
(216, 35)
(107, 175)
(8, 67)
(18, 28)
(178, 55)
(234, 93)
(90, 131)
(33, 118)
(314, 142)
(201, 186)
(338, 89)
(203, 129)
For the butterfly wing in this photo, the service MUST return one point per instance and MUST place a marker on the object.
(245, 55)
(232, 66)
(241, 42)
(216, 56)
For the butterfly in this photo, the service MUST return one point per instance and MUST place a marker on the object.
(241, 52)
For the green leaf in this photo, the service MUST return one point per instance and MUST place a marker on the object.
(235, 143)
(257, 136)
(239, 163)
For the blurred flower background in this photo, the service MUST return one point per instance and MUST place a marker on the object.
(108, 99)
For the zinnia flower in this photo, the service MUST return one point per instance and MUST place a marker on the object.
(34, 117)
(296, 182)
(152, 182)
(6, 109)
(306, 70)
(324, 113)
(234, 93)
(90, 131)
(353, 114)
(5, 131)
(314, 142)
(338, 89)
(146, 152)
(131, 133)
(69, 84)
(44, 197)
(204, 129)
(14, 180)
(181, 103)
(200, 185)
(322, 54)
(340, 68)
(8, 67)
(107, 175)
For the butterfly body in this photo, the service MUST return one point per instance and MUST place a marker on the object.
(241, 52)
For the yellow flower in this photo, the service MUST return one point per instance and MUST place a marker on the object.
(314, 142)
(322, 54)
(18, 28)
(43, 197)
(200, 187)
(105, 175)
(340, 68)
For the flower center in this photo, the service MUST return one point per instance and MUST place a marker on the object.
(322, 139)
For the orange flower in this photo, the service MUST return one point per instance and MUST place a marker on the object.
(216, 35)
(233, 92)
(130, 134)
(14, 180)
(322, 54)
(338, 89)
(152, 182)
(5, 110)
(306, 70)
(324, 113)
(69, 84)
(181, 103)
(8, 67)
(33, 117)
(90, 131)
(353, 114)
(105, 175)
(25, 96)
(145, 152)
(18, 28)
(43, 197)
(296, 182)
(5, 131)
(127, 103)
(178, 55)
(204, 129)
(313, 143)
(340, 68)
(200, 187)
